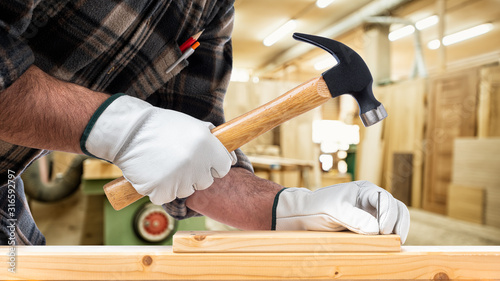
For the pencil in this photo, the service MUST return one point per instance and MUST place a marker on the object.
(185, 55)
(190, 41)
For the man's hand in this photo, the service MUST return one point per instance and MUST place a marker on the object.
(338, 207)
(164, 154)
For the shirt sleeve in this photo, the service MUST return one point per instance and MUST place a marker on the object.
(15, 54)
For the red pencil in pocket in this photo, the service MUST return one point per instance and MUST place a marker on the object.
(190, 41)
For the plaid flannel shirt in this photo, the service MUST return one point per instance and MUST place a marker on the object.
(121, 47)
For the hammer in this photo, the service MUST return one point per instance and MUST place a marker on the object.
(349, 76)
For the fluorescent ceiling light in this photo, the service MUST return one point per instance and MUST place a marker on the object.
(461, 36)
(274, 37)
(434, 44)
(427, 22)
(402, 32)
(467, 34)
(409, 29)
(324, 3)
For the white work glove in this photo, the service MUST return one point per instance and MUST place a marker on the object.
(339, 207)
(163, 153)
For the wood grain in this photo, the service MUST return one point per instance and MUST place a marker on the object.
(401, 132)
(160, 263)
(401, 180)
(282, 242)
(121, 193)
(476, 162)
(466, 203)
(404, 133)
(243, 129)
(489, 103)
(452, 114)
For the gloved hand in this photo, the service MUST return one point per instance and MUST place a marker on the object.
(339, 207)
(163, 153)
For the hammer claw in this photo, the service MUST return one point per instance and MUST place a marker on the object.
(350, 76)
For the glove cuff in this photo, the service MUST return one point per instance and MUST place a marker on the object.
(275, 206)
(111, 124)
(93, 120)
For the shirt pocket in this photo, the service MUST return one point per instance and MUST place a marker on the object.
(155, 75)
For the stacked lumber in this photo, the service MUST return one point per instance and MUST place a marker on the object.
(452, 114)
(489, 103)
(402, 132)
(476, 163)
(466, 203)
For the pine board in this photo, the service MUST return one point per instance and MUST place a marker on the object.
(401, 132)
(452, 113)
(160, 263)
(282, 242)
(476, 162)
(401, 181)
(466, 203)
(489, 102)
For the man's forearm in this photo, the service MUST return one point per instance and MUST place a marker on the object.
(43, 112)
(240, 199)
(40, 111)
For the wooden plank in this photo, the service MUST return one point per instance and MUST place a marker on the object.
(489, 102)
(402, 177)
(404, 131)
(492, 216)
(160, 263)
(99, 169)
(452, 114)
(296, 142)
(466, 203)
(401, 132)
(282, 242)
(477, 163)
(369, 154)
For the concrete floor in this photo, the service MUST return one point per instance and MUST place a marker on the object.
(77, 220)
(432, 229)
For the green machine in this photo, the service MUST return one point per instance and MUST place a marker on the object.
(141, 223)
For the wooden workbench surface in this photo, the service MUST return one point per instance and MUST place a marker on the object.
(160, 263)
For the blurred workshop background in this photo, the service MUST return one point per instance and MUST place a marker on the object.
(436, 69)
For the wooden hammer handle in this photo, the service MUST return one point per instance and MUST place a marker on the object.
(243, 129)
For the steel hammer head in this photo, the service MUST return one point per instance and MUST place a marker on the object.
(349, 76)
